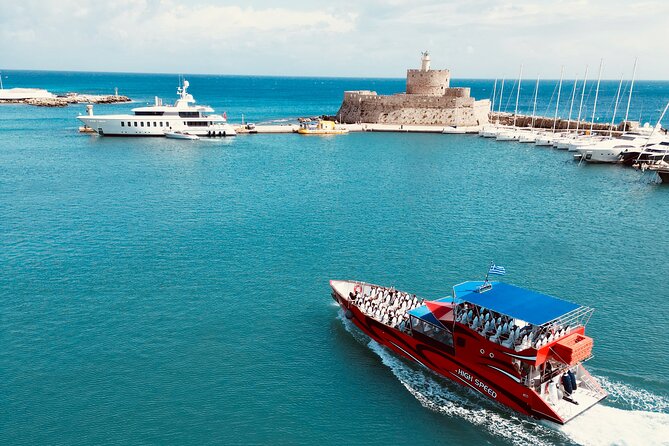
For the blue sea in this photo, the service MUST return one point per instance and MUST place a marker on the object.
(160, 291)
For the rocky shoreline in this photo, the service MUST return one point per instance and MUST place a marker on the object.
(69, 98)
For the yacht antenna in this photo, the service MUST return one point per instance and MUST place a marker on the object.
(580, 107)
(520, 77)
(629, 97)
(594, 107)
(557, 102)
(615, 107)
(573, 95)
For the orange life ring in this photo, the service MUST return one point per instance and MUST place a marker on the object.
(357, 289)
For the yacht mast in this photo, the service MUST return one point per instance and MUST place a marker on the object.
(659, 121)
(494, 93)
(534, 107)
(573, 95)
(520, 77)
(501, 93)
(580, 107)
(557, 103)
(615, 107)
(629, 98)
(594, 107)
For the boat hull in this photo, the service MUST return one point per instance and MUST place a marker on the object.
(475, 367)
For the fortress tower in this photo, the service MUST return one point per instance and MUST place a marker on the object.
(426, 81)
(428, 100)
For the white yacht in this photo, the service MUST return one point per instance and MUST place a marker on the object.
(158, 119)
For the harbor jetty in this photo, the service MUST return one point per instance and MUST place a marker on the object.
(44, 98)
(542, 122)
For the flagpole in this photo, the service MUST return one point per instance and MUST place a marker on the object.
(488, 273)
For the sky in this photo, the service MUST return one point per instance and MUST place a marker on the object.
(473, 39)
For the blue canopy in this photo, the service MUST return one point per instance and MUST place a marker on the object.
(425, 314)
(513, 301)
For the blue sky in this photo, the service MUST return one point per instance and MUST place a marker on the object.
(484, 39)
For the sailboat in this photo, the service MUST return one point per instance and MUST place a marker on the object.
(546, 138)
(530, 135)
(512, 134)
(588, 139)
(491, 130)
(562, 143)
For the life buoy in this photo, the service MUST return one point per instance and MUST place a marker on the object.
(357, 289)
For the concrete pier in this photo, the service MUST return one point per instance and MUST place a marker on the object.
(363, 127)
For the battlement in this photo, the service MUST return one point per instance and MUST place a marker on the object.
(431, 82)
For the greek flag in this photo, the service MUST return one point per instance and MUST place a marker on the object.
(498, 270)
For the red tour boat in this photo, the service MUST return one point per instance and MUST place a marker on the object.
(518, 347)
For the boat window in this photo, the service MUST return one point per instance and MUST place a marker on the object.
(189, 114)
(142, 123)
(135, 123)
(155, 124)
(122, 124)
(437, 333)
(149, 113)
(129, 124)
(197, 123)
(161, 123)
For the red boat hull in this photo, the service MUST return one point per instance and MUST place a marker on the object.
(474, 361)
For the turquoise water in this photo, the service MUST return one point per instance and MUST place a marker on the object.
(169, 292)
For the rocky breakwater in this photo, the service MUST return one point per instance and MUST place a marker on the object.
(43, 98)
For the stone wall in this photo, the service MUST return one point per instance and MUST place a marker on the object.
(456, 108)
(431, 82)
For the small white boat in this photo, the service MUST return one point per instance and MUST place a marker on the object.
(180, 135)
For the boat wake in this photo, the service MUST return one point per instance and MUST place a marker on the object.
(646, 423)
(644, 420)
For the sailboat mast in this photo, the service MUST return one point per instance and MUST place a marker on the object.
(494, 93)
(534, 107)
(571, 106)
(594, 107)
(615, 107)
(629, 98)
(580, 107)
(557, 103)
(520, 78)
(659, 121)
(501, 93)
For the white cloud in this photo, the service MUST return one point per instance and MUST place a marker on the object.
(374, 38)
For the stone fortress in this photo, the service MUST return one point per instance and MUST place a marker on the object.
(429, 100)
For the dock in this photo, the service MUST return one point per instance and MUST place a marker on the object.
(362, 127)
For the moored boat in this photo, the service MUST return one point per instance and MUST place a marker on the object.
(320, 127)
(518, 347)
(181, 135)
(159, 119)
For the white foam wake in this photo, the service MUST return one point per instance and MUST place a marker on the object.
(637, 399)
(604, 425)
(600, 425)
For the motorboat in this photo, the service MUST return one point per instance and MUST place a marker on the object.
(520, 348)
(159, 119)
(180, 135)
(320, 127)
